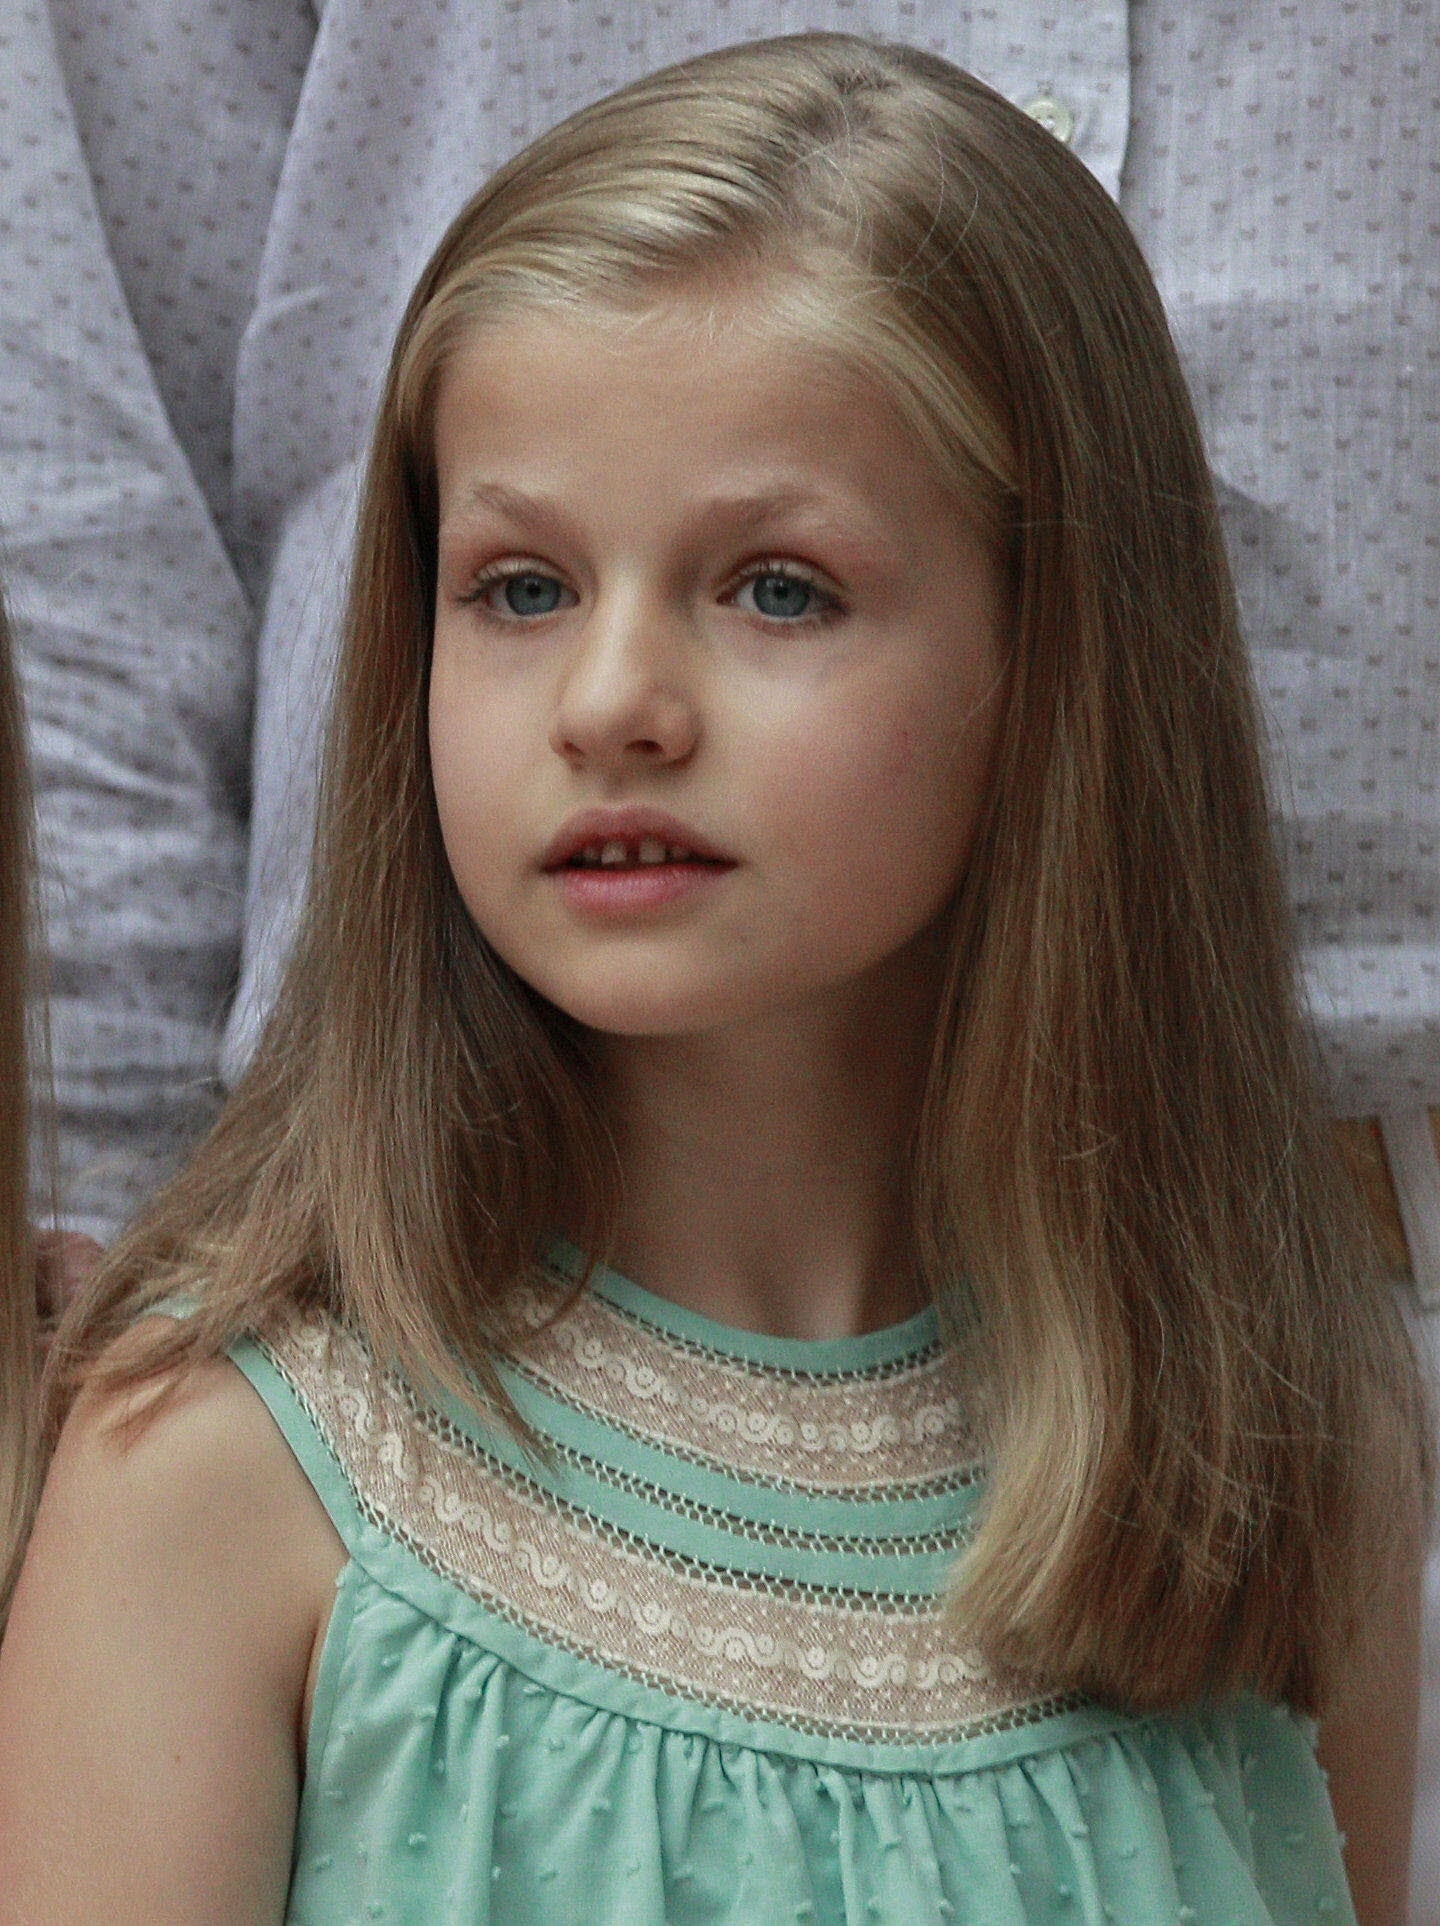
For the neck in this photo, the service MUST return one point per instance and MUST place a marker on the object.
(767, 1168)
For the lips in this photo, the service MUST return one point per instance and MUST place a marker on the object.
(629, 838)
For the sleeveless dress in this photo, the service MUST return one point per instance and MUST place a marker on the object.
(686, 1663)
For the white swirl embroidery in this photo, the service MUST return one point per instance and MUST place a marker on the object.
(847, 1434)
(827, 1660)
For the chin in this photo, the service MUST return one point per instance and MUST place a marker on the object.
(646, 1008)
(641, 1017)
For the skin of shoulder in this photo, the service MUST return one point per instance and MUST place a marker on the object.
(153, 1669)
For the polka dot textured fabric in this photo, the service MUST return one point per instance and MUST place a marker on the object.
(136, 641)
(1278, 177)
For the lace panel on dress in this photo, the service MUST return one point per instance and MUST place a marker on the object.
(842, 1661)
(829, 1434)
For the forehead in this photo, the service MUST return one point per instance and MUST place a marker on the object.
(696, 383)
(716, 351)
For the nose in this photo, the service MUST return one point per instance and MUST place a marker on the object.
(625, 697)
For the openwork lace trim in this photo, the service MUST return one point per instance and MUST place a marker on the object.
(553, 1286)
(889, 1428)
(870, 1542)
(818, 1659)
(1007, 1715)
(900, 1490)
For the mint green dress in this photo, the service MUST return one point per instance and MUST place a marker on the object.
(687, 1665)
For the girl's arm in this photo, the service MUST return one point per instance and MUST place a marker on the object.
(153, 1670)
(1368, 1746)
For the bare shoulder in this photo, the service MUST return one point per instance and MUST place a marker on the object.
(212, 1434)
(153, 1671)
(206, 1488)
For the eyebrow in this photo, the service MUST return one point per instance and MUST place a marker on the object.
(738, 513)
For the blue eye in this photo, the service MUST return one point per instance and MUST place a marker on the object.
(781, 596)
(515, 594)
(530, 594)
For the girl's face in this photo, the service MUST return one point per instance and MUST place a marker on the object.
(716, 669)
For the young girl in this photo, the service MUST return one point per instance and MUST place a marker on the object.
(812, 1358)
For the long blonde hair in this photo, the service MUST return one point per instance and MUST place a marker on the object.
(1203, 1416)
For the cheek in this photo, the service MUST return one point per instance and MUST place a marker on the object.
(467, 761)
(883, 813)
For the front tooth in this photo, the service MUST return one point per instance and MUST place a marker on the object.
(611, 854)
(652, 850)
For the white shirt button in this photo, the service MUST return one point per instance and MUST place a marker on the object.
(1053, 115)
